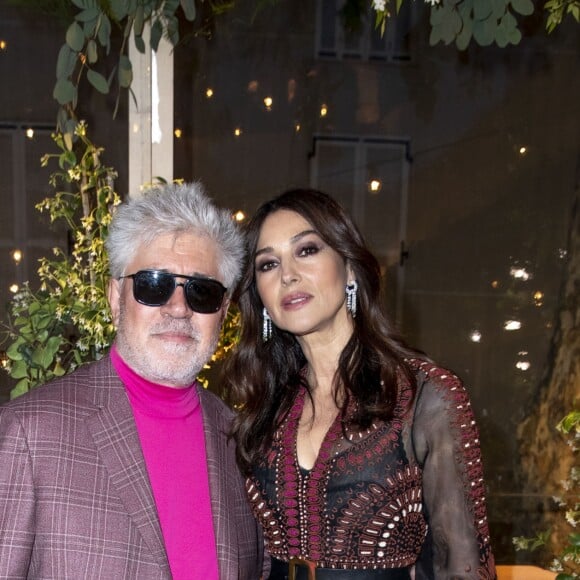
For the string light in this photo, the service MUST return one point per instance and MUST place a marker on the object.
(297, 127)
(520, 273)
(209, 93)
(3, 45)
(30, 133)
(523, 151)
(268, 103)
(538, 298)
(495, 284)
(237, 131)
(240, 216)
(375, 186)
(323, 110)
(14, 288)
(17, 256)
(178, 133)
(523, 365)
(475, 336)
(512, 325)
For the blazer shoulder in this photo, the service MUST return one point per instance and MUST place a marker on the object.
(80, 387)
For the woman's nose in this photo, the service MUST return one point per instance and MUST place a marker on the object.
(289, 274)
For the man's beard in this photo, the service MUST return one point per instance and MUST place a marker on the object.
(154, 366)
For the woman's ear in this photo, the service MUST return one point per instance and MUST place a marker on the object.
(350, 276)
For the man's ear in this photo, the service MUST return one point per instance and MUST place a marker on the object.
(225, 308)
(114, 296)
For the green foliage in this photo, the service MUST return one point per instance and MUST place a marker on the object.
(557, 9)
(484, 22)
(67, 321)
(567, 564)
(88, 40)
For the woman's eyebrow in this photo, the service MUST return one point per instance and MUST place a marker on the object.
(295, 238)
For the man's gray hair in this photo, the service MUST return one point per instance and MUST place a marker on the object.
(174, 208)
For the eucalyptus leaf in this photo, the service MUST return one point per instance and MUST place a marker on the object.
(140, 44)
(98, 81)
(84, 4)
(172, 30)
(188, 7)
(466, 10)
(92, 53)
(502, 38)
(515, 36)
(451, 27)
(87, 15)
(139, 21)
(119, 10)
(75, 37)
(523, 7)
(435, 35)
(156, 34)
(482, 9)
(464, 37)
(90, 27)
(483, 32)
(66, 62)
(64, 91)
(439, 14)
(499, 8)
(125, 72)
(104, 33)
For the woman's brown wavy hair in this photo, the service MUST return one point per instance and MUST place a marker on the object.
(262, 378)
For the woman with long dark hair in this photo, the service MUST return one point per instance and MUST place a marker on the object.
(361, 455)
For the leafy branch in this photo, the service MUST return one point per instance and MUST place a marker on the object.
(67, 321)
(567, 563)
(483, 21)
(88, 39)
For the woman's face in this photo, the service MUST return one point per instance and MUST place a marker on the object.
(300, 278)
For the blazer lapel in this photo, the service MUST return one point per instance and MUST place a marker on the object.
(115, 435)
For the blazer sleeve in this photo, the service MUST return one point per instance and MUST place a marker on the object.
(17, 498)
(446, 442)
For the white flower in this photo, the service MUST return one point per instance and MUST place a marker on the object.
(379, 5)
(433, 2)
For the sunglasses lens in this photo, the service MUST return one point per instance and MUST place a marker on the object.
(204, 296)
(153, 288)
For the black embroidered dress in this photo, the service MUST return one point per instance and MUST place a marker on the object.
(405, 493)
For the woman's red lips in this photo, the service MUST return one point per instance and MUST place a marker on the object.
(295, 300)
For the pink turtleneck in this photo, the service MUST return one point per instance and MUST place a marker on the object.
(170, 426)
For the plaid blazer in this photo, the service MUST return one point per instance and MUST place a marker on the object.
(75, 498)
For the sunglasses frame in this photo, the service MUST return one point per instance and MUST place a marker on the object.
(144, 276)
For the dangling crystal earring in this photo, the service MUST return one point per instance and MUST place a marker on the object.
(266, 326)
(351, 289)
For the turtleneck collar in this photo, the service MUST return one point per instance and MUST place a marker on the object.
(154, 399)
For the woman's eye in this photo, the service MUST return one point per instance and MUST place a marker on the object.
(265, 266)
(308, 250)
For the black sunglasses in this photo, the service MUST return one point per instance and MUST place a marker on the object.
(155, 288)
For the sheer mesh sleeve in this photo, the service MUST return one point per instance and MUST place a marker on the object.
(446, 443)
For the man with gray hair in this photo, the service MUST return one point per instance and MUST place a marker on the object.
(124, 469)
